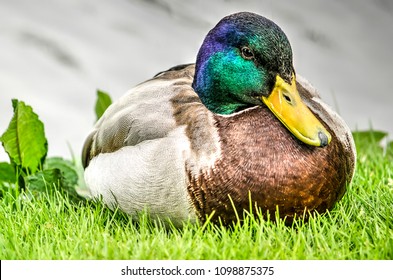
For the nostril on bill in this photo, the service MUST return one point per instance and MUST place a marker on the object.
(287, 98)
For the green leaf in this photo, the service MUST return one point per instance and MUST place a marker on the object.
(43, 181)
(370, 135)
(7, 173)
(66, 167)
(24, 140)
(48, 181)
(389, 148)
(102, 103)
(367, 138)
(7, 177)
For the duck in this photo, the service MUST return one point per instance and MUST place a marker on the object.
(235, 131)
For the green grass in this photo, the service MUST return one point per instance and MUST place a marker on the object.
(359, 227)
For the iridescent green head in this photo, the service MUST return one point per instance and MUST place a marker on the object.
(246, 60)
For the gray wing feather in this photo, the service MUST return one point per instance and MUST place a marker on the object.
(143, 113)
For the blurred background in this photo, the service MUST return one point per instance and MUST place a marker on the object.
(55, 54)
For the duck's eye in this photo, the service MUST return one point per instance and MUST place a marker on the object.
(247, 53)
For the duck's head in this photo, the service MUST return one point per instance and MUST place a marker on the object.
(246, 60)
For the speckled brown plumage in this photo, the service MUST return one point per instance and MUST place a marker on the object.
(260, 157)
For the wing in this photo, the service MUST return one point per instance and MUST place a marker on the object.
(135, 157)
(143, 113)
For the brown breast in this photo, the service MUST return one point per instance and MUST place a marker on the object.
(262, 160)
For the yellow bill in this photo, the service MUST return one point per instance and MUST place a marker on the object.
(288, 107)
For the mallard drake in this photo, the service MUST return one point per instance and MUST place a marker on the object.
(204, 139)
